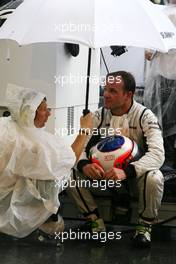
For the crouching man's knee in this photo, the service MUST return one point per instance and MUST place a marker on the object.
(155, 181)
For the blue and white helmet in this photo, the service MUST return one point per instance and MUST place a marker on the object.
(114, 151)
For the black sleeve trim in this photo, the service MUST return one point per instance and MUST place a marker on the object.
(130, 171)
(140, 119)
(102, 117)
(82, 163)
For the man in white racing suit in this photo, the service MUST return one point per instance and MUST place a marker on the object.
(135, 121)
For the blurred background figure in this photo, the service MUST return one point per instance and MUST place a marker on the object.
(160, 91)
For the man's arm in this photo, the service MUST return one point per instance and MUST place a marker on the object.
(154, 156)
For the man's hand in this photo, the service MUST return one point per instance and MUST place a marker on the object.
(86, 122)
(93, 171)
(115, 174)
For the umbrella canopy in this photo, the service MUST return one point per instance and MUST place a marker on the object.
(95, 23)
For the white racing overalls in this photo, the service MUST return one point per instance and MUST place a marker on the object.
(141, 125)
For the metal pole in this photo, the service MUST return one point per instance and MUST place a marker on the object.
(86, 110)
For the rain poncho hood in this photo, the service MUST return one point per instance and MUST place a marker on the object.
(33, 165)
(22, 104)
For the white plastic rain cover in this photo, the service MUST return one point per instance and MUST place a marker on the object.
(31, 159)
(160, 88)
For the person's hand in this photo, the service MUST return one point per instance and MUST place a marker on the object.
(93, 171)
(86, 122)
(148, 55)
(115, 174)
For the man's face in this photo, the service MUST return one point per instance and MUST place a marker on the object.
(42, 115)
(115, 97)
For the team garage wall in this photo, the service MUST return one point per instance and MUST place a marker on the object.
(49, 68)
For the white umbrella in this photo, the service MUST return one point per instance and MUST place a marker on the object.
(95, 23)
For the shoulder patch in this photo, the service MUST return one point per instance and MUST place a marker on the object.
(97, 114)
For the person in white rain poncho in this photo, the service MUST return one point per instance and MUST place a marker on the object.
(31, 159)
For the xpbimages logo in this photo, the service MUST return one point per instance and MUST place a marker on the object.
(80, 235)
(86, 183)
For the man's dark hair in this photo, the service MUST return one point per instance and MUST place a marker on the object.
(128, 79)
